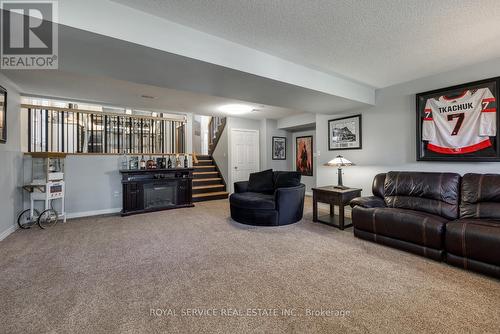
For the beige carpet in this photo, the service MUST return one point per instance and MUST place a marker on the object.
(106, 274)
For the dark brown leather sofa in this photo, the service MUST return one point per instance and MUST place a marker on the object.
(473, 241)
(438, 215)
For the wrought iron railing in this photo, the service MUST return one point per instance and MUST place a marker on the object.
(53, 129)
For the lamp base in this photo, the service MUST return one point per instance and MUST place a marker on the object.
(340, 185)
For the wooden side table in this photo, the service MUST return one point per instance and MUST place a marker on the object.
(333, 196)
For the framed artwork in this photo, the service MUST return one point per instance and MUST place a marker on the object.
(279, 148)
(304, 155)
(3, 115)
(459, 123)
(344, 133)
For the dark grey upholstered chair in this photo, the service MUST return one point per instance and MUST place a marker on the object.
(268, 199)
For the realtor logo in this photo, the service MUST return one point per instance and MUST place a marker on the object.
(29, 37)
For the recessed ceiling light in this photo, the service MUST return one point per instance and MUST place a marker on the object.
(235, 109)
(148, 97)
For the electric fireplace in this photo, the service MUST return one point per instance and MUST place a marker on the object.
(156, 189)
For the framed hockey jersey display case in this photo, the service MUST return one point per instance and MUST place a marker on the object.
(459, 123)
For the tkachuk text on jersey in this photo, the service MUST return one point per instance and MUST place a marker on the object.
(458, 107)
(461, 124)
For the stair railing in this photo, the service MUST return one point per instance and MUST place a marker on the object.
(195, 158)
(216, 126)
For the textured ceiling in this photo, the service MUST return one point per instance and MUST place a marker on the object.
(377, 42)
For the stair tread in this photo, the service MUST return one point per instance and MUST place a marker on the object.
(208, 187)
(209, 166)
(216, 193)
(208, 179)
(205, 173)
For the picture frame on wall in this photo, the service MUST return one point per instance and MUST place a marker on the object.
(279, 148)
(304, 155)
(3, 115)
(459, 123)
(345, 133)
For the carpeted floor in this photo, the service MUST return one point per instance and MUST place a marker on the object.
(130, 275)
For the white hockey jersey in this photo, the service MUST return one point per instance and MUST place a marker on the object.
(462, 124)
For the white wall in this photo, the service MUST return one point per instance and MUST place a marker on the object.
(93, 185)
(268, 130)
(196, 134)
(243, 123)
(309, 181)
(300, 120)
(389, 132)
(11, 163)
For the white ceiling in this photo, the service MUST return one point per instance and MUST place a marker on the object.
(78, 87)
(377, 42)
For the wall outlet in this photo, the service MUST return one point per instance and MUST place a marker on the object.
(117, 193)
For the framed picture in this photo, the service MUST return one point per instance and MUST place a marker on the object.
(279, 148)
(3, 115)
(344, 133)
(304, 155)
(459, 123)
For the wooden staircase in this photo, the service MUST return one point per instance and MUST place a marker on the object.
(208, 183)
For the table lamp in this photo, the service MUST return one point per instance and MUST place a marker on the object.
(339, 162)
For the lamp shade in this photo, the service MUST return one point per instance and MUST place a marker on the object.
(339, 161)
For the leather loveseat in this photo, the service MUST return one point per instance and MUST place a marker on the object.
(438, 215)
(268, 199)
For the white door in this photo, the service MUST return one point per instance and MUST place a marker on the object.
(244, 154)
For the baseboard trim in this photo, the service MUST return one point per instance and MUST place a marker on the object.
(8, 232)
(82, 214)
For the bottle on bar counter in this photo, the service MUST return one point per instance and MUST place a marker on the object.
(150, 164)
(185, 161)
(124, 161)
(134, 163)
(143, 163)
(169, 163)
